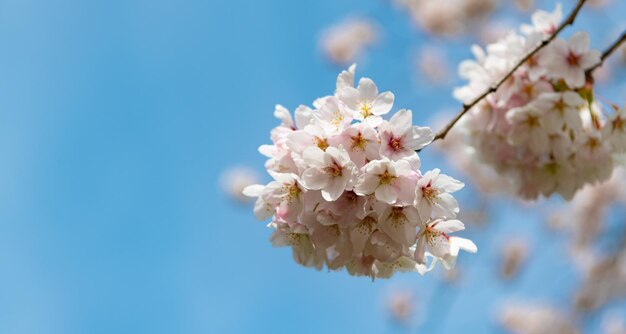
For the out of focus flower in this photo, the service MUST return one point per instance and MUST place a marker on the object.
(431, 63)
(599, 3)
(493, 31)
(344, 189)
(462, 158)
(447, 17)
(524, 5)
(514, 254)
(570, 59)
(401, 305)
(613, 324)
(235, 179)
(583, 217)
(605, 281)
(536, 319)
(345, 41)
(542, 129)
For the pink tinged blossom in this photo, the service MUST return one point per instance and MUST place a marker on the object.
(433, 237)
(400, 224)
(344, 42)
(284, 194)
(388, 180)
(330, 171)
(361, 142)
(433, 195)
(529, 128)
(569, 60)
(615, 130)
(333, 116)
(544, 22)
(399, 139)
(234, 180)
(562, 110)
(311, 135)
(365, 103)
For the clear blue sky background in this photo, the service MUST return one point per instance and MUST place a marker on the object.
(117, 118)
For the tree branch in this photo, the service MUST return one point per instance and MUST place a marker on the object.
(608, 52)
(467, 106)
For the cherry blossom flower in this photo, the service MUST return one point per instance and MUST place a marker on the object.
(235, 179)
(361, 141)
(365, 103)
(344, 42)
(399, 139)
(331, 171)
(570, 59)
(433, 194)
(388, 180)
(343, 194)
(447, 17)
(433, 236)
(514, 253)
(536, 319)
(615, 130)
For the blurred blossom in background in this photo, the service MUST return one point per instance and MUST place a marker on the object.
(128, 129)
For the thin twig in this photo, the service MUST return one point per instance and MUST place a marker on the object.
(608, 52)
(467, 106)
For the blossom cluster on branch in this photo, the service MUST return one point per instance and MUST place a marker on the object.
(543, 128)
(348, 190)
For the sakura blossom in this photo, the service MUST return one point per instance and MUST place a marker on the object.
(536, 319)
(543, 129)
(431, 63)
(447, 17)
(348, 191)
(514, 254)
(235, 179)
(344, 42)
(401, 305)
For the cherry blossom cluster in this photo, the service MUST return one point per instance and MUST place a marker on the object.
(347, 189)
(543, 128)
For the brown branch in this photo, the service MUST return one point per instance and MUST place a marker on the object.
(493, 88)
(608, 52)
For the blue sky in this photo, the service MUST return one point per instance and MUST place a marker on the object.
(116, 120)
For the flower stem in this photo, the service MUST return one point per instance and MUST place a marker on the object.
(614, 46)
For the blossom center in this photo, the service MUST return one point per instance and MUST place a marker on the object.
(398, 218)
(395, 143)
(366, 226)
(334, 169)
(430, 193)
(292, 191)
(559, 105)
(618, 124)
(321, 143)
(532, 121)
(337, 118)
(366, 109)
(387, 178)
(573, 59)
(358, 142)
(593, 143)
